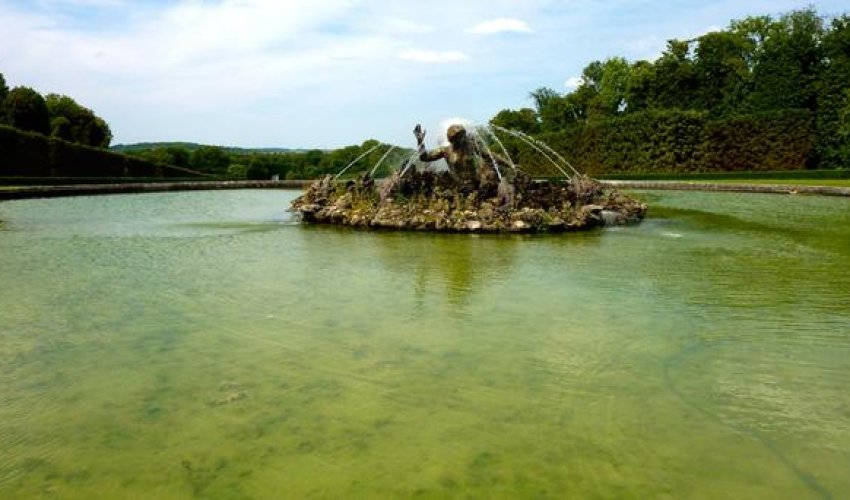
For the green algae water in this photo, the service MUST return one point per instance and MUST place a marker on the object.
(205, 344)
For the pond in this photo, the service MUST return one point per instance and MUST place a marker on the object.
(206, 344)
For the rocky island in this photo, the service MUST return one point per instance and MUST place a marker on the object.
(480, 193)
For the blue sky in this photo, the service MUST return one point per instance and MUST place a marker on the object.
(328, 73)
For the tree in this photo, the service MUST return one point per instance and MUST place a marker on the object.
(674, 80)
(258, 168)
(177, 156)
(83, 126)
(611, 82)
(25, 109)
(722, 70)
(640, 88)
(4, 91)
(840, 152)
(98, 133)
(833, 96)
(524, 120)
(552, 109)
(787, 63)
(210, 159)
(61, 127)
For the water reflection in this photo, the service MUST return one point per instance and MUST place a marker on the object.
(459, 264)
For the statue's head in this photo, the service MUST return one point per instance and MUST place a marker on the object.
(456, 133)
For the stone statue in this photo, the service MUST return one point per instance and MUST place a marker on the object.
(460, 154)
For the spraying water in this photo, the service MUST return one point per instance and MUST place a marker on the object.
(372, 172)
(481, 138)
(479, 144)
(496, 139)
(539, 146)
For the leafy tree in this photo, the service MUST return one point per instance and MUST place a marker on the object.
(258, 168)
(610, 82)
(553, 109)
(177, 156)
(722, 68)
(172, 155)
(210, 159)
(674, 82)
(639, 91)
(98, 133)
(840, 149)
(80, 124)
(25, 109)
(833, 101)
(61, 127)
(787, 62)
(524, 120)
(4, 91)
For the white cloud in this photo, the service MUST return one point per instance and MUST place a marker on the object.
(83, 3)
(433, 56)
(501, 25)
(573, 82)
(255, 71)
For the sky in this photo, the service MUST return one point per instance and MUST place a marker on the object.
(330, 73)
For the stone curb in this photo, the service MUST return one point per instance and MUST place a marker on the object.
(97, 189)
(151, 187)
(736, 188)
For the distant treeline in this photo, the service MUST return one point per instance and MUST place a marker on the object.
(763, 94)
(261, 164)
(192, 146)
(54, 115)
(54, 136)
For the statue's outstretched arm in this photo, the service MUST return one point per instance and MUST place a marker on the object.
(424, 154)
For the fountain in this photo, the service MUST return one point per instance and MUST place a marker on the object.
(483, 191)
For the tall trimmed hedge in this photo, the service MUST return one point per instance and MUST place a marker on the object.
(676, 141)
(30, 154)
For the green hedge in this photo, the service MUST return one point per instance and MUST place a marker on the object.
(675, 141)
(25, 154)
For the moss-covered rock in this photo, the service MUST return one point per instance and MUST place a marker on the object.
(432, 201)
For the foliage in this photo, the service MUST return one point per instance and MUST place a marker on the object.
(525, 120)
(75, 123)
(32, 154)
(25, 109)
(4, 91)
(833, 97)
(211, 159)
(266, 163)
(678, 141)
(712, 98)
(56, 115)
(192, 146)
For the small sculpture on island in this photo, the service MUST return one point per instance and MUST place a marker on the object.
(481, 192)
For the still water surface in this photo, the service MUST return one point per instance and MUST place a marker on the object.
(205, 344)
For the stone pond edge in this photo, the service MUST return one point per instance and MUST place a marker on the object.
(16, 193)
